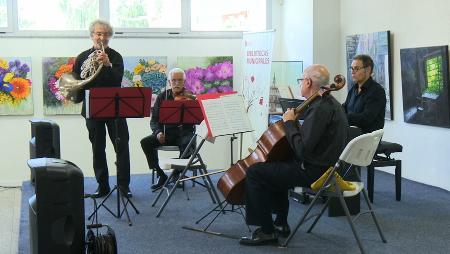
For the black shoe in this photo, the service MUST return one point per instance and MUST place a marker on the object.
(259, 238)
(126, 192)
(161, 181)
(101, 191)
(283, 230)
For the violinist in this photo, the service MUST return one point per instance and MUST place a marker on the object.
(316, 146)
(172, 135)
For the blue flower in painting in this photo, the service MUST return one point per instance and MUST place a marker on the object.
(155, 80)
(7, 87)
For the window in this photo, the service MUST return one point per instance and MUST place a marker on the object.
(3, 13)
(56, 14)
(185, 17)
(137, 14)
(434, 75)
(230, 15)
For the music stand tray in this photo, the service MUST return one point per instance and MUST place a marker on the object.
(115, 103)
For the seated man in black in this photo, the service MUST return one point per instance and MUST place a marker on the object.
(365, 105)
(316, 146)
(172, 135)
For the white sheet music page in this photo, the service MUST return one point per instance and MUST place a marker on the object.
(226, 115)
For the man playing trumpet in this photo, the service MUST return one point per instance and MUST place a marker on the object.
(110, 75)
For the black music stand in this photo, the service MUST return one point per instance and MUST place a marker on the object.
(115, 103)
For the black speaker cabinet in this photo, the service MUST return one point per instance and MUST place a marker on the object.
(56, 211)
(44, 140)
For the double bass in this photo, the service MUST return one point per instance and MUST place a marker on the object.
(271, 146)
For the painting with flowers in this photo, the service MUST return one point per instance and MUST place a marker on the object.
(54, 102)
(15, 90)
(208, 74)
(149, 71)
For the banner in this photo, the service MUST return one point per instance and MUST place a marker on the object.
(257, 56)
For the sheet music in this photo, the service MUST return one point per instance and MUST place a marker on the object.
(285, 92)
(226, 115)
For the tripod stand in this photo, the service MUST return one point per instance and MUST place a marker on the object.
(118, 103)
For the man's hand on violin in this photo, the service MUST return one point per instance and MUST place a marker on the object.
(289, 115)
(161, 138)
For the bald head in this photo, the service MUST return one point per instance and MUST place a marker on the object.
(318, 74)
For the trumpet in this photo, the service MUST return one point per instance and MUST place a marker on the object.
(70, 87)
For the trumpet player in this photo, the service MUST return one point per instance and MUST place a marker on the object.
(107, 66)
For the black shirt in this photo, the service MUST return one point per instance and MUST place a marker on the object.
(108, 76)
(323, 135)
(366, 109)
(169, 128)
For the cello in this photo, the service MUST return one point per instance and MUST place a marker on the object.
(271, 146)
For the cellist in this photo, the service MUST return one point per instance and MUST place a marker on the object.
(172, 135)
(316, 144)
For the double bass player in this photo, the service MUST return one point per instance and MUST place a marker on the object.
(316, 146)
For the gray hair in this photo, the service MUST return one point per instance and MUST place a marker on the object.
(176, 70)
(101, 23)
(318, 74)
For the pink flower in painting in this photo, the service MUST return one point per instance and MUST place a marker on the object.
(225, 89)
(213, 90)
(210, 73)
(194, 73)
(224, 70)
(195, 86)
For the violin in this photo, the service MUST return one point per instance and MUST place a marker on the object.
(271, 146)
(184, 96)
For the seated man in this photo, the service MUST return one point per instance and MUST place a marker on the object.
(316, 146)
(365, 105)
(172, 135)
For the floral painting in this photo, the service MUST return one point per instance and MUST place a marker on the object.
(149, 71)
(54, 101)
(15, 91)
(208, 74)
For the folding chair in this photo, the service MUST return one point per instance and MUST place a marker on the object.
(165, 149)
(180, 167)
(358, 152)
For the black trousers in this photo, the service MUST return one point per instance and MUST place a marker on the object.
(97, 136)
(174, 138)
(267, 186)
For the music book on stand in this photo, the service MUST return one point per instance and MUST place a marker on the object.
(224, 114)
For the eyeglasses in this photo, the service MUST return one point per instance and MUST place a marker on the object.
(102, 34)
(177, 80)
(356, 69)
(299, 80)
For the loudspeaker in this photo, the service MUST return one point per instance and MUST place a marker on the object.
(44, 140)
(56, 211)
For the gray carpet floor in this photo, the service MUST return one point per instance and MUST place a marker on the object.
(420, 223)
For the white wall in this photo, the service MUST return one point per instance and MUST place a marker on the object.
(413, 23)
(75, 146)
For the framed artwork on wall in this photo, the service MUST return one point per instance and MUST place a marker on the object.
(145, 71)
(54, 101)
(16, 96)
(207, 74)
(376, 45)
(425, 77)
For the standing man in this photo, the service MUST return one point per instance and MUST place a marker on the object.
(110, 76)
(169, 134)
(316, 146)
(366, 101)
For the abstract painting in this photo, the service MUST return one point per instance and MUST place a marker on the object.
(376, 45)
(15, 91)
(425, 85)
(54, 101)
(208, 74)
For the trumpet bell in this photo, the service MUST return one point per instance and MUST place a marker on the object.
(70, 87)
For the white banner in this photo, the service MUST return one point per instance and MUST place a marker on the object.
(257, 56)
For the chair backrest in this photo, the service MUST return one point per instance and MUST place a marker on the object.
(360, 150)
